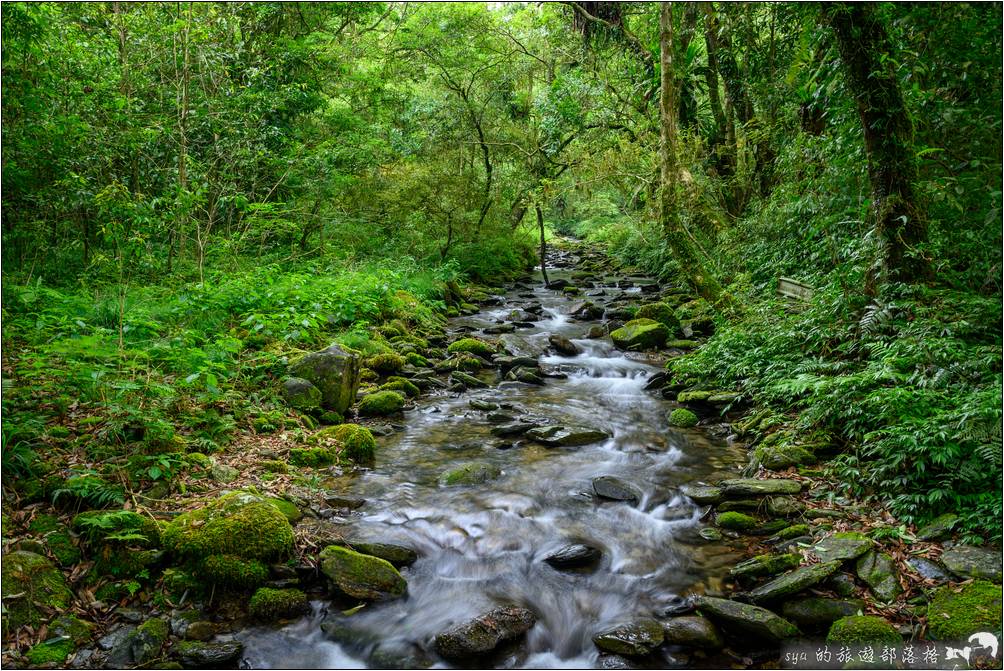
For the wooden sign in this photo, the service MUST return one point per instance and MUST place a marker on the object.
(789, 288)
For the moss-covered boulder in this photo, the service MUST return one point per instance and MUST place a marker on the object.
(781, 455)
(754, 621)
(401, 385)
(879, 572)
(57, 538)
(814, 614)
(241, 524)
(691, 631)
(361, 576)
(662, 313)
(52, 651)
(766, 565)
(381, 404)
(140, 647)
(973, 562)
(232, 573)
(471, 346)
(956, 613)
(208, 655)
(334, 371)
(736, 521)
(683, 418)
(793, 582)
(31, 585)
(312, 457)
(863, 630)
(386, 363)
(639, 334)
(275, 604)
(352, 440)
(484, 633)
(97, 526)
(741, 488)
(287, 508)
(633, 639)
(939, 528)
(843, 546)
(398, 555)
(301, 394)
(474, 473)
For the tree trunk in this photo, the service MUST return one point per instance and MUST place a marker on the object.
(711, 77)
(683, 248)
(899, 224)
(543, 244)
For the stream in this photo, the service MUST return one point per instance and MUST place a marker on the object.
(484, 545)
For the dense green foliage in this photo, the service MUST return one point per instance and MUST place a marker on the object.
(195, 194)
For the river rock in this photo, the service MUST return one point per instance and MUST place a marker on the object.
(361, 576)
(563, 345)
(335, 372)
(973, 562)
(784, 506)
(633, 639)
(485, 406)
(842, 546)
(615, 489)
(740, 488)
(762, 566)
(793, 582)
(703, 494)
(752, 620)
(640, 334)
(576, 555)
(939, 528)
(473, 473)
(587, 310)
(525, 375)
(879, 572)
(301, 394)
(566, 436)
(692, 631)
(200, 655)
(512, 429)
(484, 633)
(398, 555)
(522, 346)
(596, 331)
(816, 614)
(467, 380)
(929, 570)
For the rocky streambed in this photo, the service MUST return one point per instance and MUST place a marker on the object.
(531, 488)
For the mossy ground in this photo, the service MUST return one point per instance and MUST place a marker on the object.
(955, 613)
(863, 630)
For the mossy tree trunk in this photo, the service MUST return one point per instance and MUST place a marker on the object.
(677, 237)
(900, 226)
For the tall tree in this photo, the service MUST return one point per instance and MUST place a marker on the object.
(899, 223)
(677, 236)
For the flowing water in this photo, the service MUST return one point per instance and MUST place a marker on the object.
(483, 545)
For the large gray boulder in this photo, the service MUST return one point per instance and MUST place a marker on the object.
(335, 372)
(973, 562)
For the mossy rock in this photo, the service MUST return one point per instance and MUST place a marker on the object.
(53, 651)
(57, 539)
(682, 418)
(361, 576)
(381, 404)
(955, 613)
(471, 346)
(813, 613)
(639, 334)
(416, 360)
(240, 524)
(474, 473)
(72, 627)
(662, 313)
(292, 513)
(96, 526)
(766, 565)
(312, 457)
(403, 386)
(862, 630)
(330, 418)
(274, 466)
(354, 441)
(120, 561)
(385, 364)
(794, 531)
(29, 579)
(694, 396)
(301, 394)
(782, 455)
(232, 572)
(735, 521)
(275, 604)
(334, 371)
